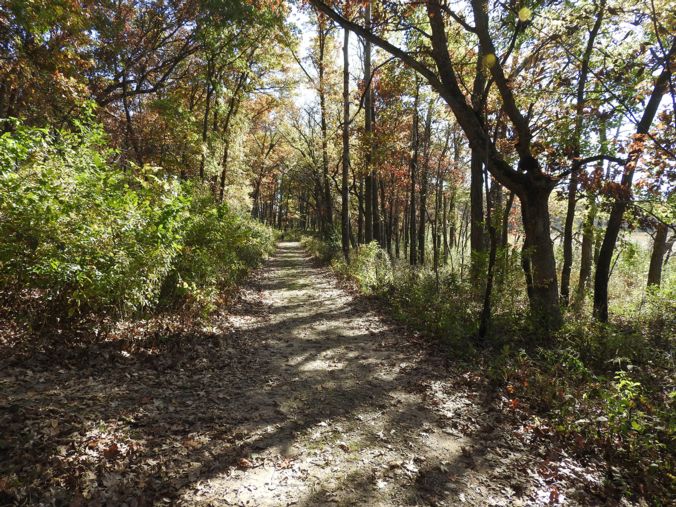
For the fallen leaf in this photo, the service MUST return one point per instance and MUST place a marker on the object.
(111, 452)
(244, 464)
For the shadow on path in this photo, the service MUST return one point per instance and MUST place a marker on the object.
(309, 398)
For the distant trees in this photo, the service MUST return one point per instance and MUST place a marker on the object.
(504, 114)
(168, 77)
(455, 136)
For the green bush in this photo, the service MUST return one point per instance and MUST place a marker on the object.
(219, 247)
(319, 248)
(82, 236)
(88, 237)
(369, 267)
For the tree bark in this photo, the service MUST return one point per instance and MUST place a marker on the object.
(345, 205)
(544, 303)
(368, 131)
(617, 211)
(413, 250)
(587, 254)
(657, 256)
(205, 120)
(486, 309)
(576, 149)
(327, 202)
(361, 215)
(424, 176)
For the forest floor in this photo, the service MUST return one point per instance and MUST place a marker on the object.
(301, 393)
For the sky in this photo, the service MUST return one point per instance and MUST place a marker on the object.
(305, 93)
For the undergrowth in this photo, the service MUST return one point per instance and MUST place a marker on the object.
(607, 390)
(81, 236)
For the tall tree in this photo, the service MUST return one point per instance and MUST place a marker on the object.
(580, 100)
(345, 180)
(621, 202)
(528, 181)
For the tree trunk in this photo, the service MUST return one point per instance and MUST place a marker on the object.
(327, 203)
(587, 249)
(375, 208)
(396, 228)
(576, 149)
(345, 205)
(617, 211)
(368, 131)
(486, 309)
(444, 227)
(477, 231)
(361, 215)
(587, 253)
(424, 176)
(528, 181)
(233, 104)
(130, 133)
(504, 239)
(387, 215)
(567, 263)
(205, 120)
(657, 256)
(405, 230)
(413, 250)
(539, 251)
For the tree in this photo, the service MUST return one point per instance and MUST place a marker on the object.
(529, 182)
(621, 202)
(345, 179)
(580, 100)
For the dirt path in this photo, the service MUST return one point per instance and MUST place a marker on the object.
(345, 418)
(302, 396)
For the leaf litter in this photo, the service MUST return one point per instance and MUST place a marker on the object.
(297, 393)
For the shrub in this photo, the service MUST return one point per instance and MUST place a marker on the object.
(88, 237)
(321, 249)
(369, 267)
(82, 236)
(219, 247)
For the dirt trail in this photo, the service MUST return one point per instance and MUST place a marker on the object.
(348, 417)
(303, 396)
